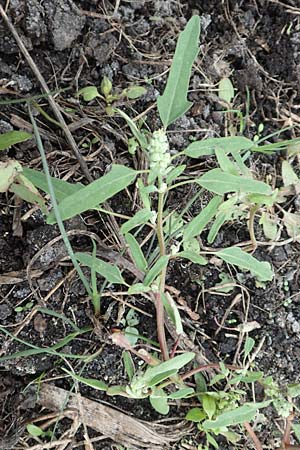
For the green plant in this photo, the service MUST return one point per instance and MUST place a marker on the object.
(108, 95)
(235, 193)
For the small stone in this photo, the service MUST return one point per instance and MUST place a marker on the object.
(5, 311)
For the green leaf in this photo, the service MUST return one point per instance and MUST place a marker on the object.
(251, 377)
(117, 390)
(182, 393)
(248, 346)
(225, 163)
(221, 218)
(141, 217)
(226, 90)
(155, 270)
(269, 226)
(192, 256)
(208, 146)
(106, 86)
(89, 93)
(197, 225)
(160, 377)
(132, 335)
(195, 415)
(294, 390)
(219, 182)
(140, 137)
(172, 311)
(200, 381)
(26, 190)
(160, 404)
(260, 199)
(13, 137)
(237, 257)
(292, 224)
(209, 405)
(173, 103)
(239, 415)
(175, 173)
(91, 382)
(108, 271)
(172, 364)
(138, 288)
(35, 431)
(62, 188)
(128, 364)
(9, 170)
(288, 175)
(136, 252)
(95, 193)
(211, 440)
(134, 92)
(296, 428)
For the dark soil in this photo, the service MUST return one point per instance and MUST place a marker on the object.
(75, 44)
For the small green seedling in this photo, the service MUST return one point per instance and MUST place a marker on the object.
(107, 94)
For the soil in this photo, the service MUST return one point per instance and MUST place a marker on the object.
(75, 44)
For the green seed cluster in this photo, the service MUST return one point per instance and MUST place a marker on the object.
(159, 153)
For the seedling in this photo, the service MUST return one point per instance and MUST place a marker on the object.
(108, 95)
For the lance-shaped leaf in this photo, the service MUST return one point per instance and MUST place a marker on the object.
(173, 103)
(13, 137)
(237, 257)
(95, 193)
(108, 271)
(229, 144)
(141, 217)
(239, 415)
(197, 225)
(62, 188)
(136, 252)
(155, 270)
(219, 182)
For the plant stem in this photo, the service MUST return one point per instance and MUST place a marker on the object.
(160, 231)
(160, 324)
(207, 367)
(160, 320)
(253, 211)
(253, 436)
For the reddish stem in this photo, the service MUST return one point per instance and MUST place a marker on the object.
(207, 367)
(160, 323)
(253, 436)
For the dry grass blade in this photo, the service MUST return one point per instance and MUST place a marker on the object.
(114, 424)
